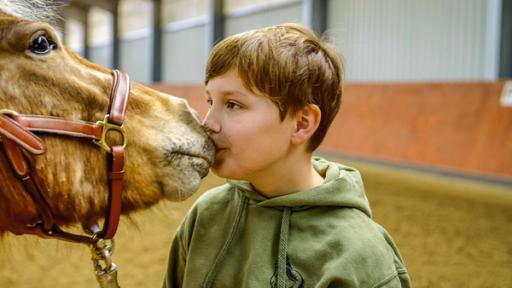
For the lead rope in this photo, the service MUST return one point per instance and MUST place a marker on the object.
(210, 278)
(282, 278)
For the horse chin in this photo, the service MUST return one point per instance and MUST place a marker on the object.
(181, 183)
(183, 170)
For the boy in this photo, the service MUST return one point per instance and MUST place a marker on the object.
(283, 219)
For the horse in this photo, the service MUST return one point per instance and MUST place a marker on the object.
(166, 151)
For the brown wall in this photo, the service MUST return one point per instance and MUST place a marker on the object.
(458, 126)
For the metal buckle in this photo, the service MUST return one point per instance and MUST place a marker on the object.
(8, 112)
(107, 127)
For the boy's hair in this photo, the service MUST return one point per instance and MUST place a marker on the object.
(288, 64)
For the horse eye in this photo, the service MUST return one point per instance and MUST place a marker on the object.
(42, 46)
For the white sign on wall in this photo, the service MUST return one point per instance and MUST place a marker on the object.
(506, 95)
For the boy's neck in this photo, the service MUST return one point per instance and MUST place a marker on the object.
(295, 174)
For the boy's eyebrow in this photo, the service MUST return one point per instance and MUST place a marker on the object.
(227, 93)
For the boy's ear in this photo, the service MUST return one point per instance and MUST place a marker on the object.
(307, 120)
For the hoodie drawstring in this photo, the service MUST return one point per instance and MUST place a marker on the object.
(210, 278)
(282, 278)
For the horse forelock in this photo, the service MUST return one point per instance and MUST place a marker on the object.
(33, 10)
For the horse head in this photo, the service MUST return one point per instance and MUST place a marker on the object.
(167, 154)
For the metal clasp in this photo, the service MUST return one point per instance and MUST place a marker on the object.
(104, 269)
(107, 127)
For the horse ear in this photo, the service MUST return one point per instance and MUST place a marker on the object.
(307, 120)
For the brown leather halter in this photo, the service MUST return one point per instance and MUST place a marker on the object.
(19, 144)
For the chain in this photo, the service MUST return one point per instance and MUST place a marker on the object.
(104, 268)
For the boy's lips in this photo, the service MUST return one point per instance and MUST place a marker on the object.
(218, 150)
(220, 145)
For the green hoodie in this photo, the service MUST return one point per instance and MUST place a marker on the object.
(321, 237)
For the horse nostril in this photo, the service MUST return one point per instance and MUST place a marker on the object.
(209, 148)
(206, 129)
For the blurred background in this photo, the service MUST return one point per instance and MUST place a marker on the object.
(426, 117)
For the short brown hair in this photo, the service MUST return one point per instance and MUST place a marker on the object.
(288, 64)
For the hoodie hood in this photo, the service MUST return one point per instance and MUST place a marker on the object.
(342, 187)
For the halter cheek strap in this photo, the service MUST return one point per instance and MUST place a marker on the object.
(16, 135)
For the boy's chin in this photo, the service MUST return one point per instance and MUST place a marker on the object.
(221, 174)
(219, 169)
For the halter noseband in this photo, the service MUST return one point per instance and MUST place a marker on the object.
(18, 141)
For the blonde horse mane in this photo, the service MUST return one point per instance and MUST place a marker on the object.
(33, 10)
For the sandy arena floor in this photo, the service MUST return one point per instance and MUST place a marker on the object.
(451, 234)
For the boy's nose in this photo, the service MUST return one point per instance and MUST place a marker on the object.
(210, 125)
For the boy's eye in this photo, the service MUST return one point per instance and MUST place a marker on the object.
(233, 105)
